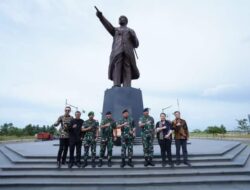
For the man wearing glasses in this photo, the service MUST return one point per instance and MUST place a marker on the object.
(181, 137)
(64, 122)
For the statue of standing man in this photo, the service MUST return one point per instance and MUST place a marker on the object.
(122, 66)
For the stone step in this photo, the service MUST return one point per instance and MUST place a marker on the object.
(125, 173)
(238, 162)
(230, 166)
(18, 159)
(4, 160)
(121, 181)
(145, 178)
(227, 165)
(136, 155)
(18, 148)
(11, 155)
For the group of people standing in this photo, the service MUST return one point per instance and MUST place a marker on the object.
(75, 131)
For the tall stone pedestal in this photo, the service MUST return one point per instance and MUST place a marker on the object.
(117, 99)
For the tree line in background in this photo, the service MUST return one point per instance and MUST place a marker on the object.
(8, 129)
(243, 126)
(213, 130)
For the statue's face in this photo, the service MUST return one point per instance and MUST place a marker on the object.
(123, 21)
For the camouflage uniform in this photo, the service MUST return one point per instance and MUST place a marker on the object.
(107, 138)
(147, 134)
(90, 139)
(127, 137)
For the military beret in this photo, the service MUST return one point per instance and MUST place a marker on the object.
(91, 113)
(108, 113)
(146, 110)
(124, 111)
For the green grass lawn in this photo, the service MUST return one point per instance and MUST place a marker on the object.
(228, 135)
(8, 138)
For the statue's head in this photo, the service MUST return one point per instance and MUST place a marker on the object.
(123, 20)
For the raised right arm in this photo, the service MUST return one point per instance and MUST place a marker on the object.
(109, 27)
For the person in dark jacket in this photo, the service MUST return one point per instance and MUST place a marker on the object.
(164, 136)
(75, 139)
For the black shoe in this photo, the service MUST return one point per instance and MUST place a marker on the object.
(130, 163)
(163, 164)
(178, 163)
(78, 164)
(58, 163)
(146, 162)
(171, 164)
(150, 162)
(123, 163)
(70, 165)
(187, 163)
(100, 163)
(93, 164)
(109, 163)
(85, 164)
(63, 162)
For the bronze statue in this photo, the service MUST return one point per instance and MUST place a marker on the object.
(122, 65)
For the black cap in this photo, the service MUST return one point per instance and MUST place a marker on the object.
(146, 110)
(108, 113)
(124, 111)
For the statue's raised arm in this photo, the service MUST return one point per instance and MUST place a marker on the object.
(110, 28)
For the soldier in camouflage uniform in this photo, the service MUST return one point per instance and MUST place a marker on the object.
(64, 122)
(91, 135)
(108, 134)
(146, 122)
(127, 136)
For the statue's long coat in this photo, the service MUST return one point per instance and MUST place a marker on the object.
(124, 41)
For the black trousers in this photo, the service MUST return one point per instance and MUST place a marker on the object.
(63, 149)
(165, 146)
(75, 145)
(181, 144)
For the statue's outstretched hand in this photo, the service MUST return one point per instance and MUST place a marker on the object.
(99, 14)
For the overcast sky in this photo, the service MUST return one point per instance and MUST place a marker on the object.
(195, 50)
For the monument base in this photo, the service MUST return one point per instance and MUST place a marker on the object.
(117, 99)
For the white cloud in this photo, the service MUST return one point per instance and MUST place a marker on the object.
(51, 50)
(219, 90)
(14, 11)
